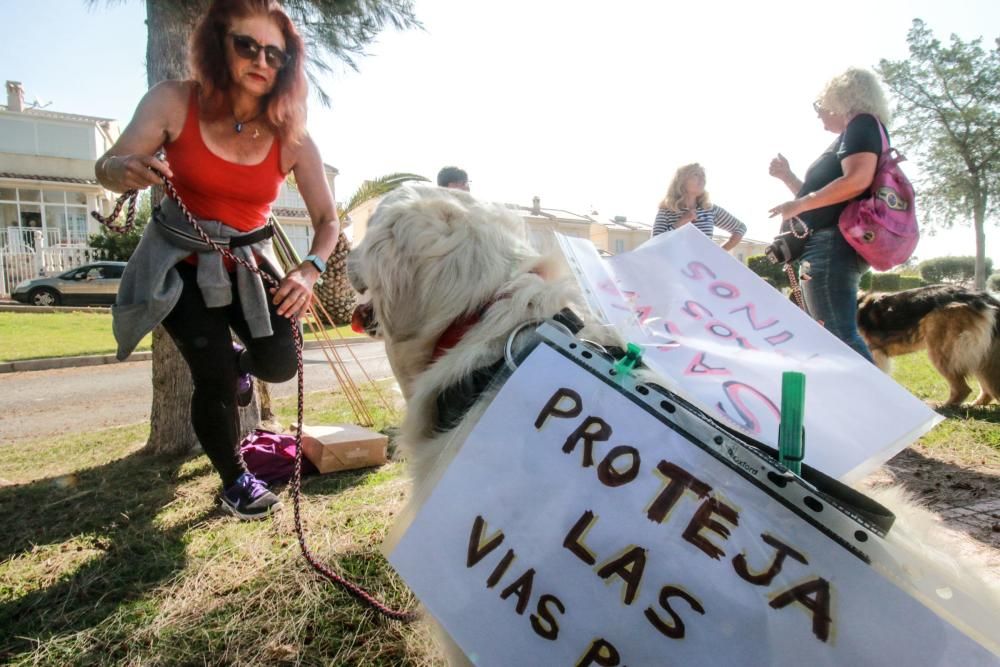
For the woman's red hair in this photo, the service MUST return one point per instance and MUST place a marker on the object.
(285, 105)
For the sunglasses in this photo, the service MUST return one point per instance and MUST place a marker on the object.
(817, 107)
(249, 48)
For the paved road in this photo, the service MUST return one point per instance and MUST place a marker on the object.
(49, 403)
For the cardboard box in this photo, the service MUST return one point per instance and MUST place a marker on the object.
(343, 447)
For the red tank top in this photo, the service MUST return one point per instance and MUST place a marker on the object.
(238, 195)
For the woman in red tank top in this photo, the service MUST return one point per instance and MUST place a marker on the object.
(231, 135)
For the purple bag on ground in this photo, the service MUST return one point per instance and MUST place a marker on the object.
(882, 227)
(271, 456)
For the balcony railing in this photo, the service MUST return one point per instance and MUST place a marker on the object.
(17, 238)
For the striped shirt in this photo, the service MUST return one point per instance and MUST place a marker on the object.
(707, 220)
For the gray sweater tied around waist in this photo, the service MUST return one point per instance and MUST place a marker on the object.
(151, 286)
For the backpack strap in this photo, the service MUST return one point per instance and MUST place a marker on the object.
(881, 131)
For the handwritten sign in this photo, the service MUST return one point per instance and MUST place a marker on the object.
(722, 337)
(577, 527)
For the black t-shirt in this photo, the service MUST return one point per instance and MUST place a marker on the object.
(861, 136)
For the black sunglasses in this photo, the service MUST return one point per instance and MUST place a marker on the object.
(248, 47)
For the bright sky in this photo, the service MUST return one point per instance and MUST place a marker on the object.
(589, 105)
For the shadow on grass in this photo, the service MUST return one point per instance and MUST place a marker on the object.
(987, 413)
(941, 485)
(331, 483)
(103, 518)
(88, 547)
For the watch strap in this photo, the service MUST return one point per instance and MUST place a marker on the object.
(316, 261)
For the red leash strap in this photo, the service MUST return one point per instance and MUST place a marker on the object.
(356, 591)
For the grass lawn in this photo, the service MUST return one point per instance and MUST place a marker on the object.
(112, 557)
(969, 435)
(334, 333)
(44, 335)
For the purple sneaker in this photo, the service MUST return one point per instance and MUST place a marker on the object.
(244, 381)
(249, 498)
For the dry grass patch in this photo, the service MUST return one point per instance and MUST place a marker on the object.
(126, 559)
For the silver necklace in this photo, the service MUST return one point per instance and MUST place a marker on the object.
(239, 124)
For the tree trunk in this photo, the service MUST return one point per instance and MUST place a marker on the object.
(979, 221)
(169, 23)
(268, 420)
(170, 430)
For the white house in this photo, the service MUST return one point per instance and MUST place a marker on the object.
(48, 188)
(47, 179)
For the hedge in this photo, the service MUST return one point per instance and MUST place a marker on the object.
(889, 282)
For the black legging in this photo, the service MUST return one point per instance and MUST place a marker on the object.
(202, 335)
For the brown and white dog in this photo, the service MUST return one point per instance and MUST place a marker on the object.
(446, 279)
(959, 328)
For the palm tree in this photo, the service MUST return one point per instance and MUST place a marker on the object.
(332, 29)
(334, 292)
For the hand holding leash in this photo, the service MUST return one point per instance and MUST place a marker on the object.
(294, 295)
(136, 172)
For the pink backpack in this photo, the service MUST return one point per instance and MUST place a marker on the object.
(882, 227)
(270, 456)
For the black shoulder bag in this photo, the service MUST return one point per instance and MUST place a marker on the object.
(790, 242)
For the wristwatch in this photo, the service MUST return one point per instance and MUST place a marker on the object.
(316, 261)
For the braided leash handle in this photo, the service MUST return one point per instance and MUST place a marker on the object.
(131, 196)
(796, 287)
(789, 271)
(354, 590)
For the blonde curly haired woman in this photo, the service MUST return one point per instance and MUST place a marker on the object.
(853, 106)
(687, 202)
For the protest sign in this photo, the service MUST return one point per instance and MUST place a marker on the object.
(585, 521)
(722, 337)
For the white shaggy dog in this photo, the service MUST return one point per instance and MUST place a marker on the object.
(447, 278)
(434, 262)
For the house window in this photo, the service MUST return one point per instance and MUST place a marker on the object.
(619, 246)
(300, 236)
(76, 225)
(59, 215)
(289, 197)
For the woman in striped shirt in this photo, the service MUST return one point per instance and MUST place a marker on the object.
(687, 201)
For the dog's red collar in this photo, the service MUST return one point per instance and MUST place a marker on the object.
(457, 330)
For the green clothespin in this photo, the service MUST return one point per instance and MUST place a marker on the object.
(633, 355)
(791, 434)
